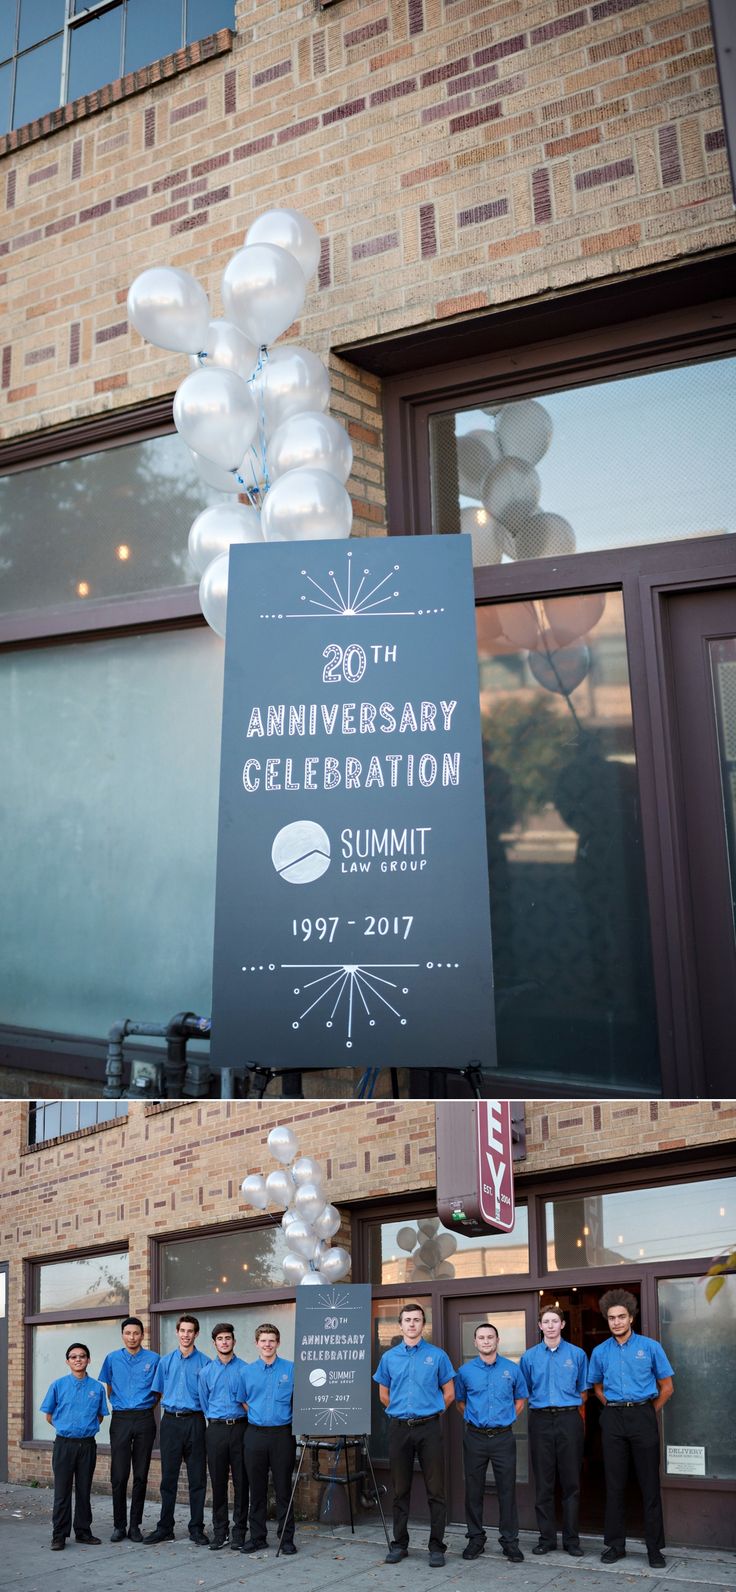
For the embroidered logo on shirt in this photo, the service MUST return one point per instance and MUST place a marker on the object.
(428, 1359)
(507, 1374)
(640, 1355)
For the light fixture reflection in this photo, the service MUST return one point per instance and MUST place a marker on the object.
(123, 552)
(83, 588)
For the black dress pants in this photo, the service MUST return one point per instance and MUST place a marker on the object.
(182, 1438)
(630, 1434)
(73, 1461)
(499, 1449)
(225, 1458)
(132, 1434)
(556, 1444)
(269, 1448)
(423, 1442)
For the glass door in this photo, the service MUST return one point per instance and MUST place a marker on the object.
(514, 1319)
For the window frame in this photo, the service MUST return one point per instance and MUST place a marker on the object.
(50, 1318)
(119, 1114)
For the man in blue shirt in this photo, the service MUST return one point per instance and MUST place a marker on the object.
(632, 1377)
(415, 1385)
(267, 1388)
(182, 1433)
(75, 1405)
(556, 1373)
(490, 1393)
(222, 1401)
(128, 1374)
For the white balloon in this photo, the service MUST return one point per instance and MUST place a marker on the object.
(311, 1279)
(288, 1217)
(406, 1238)
(253, 1190)
(294, 1267)
(214, 475)
(283, 1144)
(511, 491)
(524, 430)
(302, 1238)
(429, 1225)
(280, 1185)
(226, 346)
(309, 1201)
(446, 1269)
(170, 309)
(327, 1223)
(213, 593)
(487, 535)
(217, 528)
(544, 536)
(291, 231)
(263, 290)
(476, 452)
(306, 504)
(215, 413)
(335, 1264)
(446, 1244)
(312, 439)
(291, 381)
(305, 1170)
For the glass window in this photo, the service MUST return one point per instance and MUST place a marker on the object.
(699, 1338)
(5, 87)
(38, 20)
(245, 1319)
(92, 1282)
(569, 915)
(228, 1263)
(417, 1249)
(49, 1346)
(94, 53)
(208, 16)
(129, 850)
(386, 1333)
(723, 666)
(37, 78)
(152, 31)
(639, 459)
(49, 1119)
(683, 1220)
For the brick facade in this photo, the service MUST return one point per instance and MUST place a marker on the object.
(454, 155)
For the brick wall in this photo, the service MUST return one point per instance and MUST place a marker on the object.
(454, 154)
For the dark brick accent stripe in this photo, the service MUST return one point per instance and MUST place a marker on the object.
(460, 124)
(597, 1119)
(669, 156)
(324, 269)
(173, 180)
(41, 176)
(416, 16)
(38, 355)
(25, 238)
(363, 251)
(215, 197)
(600, 174)
(495, 52)
(131, 197)
(476, 79)
(255, 147)
(214, 163)
(319, 55)
(541, 195)
(10, 187)
(7, 357)
(93, 212)
(149, 124)
(611, 8)
(187, 189)
(561, 25)
(62, 225)
(485, 212)
(715, 140)
(340, 113)
(297, 130)
(270, 73)
(190, 222)
(382, 96)
(438, 74)
(74, 343)
(171, 213)
(230, 94)
(76, 159)
(108, 332)
(433, 113)
(192, 109)
(427, 231)
(362, 35)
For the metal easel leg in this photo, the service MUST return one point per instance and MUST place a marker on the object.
(291, 1500)
(377, 1494)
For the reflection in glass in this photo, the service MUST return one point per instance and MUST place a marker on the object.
(151, 31)
(94, 53)
(398, 1251)
(50, 1118)
(723, 666)
(699, 1338)
(94, 1282)
(511, 1328)
(38, 20)
(208, 16)
(37, 78)
(3, 1293)
(48, 1359)
(245, 1319)
(5, 87)
(224, 1263)
(569, 916)
(385, 1334)
(683, 1220)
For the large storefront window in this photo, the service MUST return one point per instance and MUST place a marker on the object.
(683, 1220)
(244, 1318)
(416, 1250)
(699, 1338)
(223, 1263)
(83, 1300)
(641, 459)
(569, 915)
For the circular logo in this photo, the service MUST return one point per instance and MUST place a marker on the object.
(318, 1377)
(301, 852)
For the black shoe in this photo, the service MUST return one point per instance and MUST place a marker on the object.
(394, 1555)
(656, 1559)
(575, 1551)
(57, 1543)
(119, 1534)
(88, 1541)
(474, 1550)
(199, 1538)
(218, 1542)
(135, 1534)
(253, 1547)
(545, 1547)
(288, 1547)
(436, 1560)
(159, 1535)
(514, 1553)
(236, 1544)
(612, 1555)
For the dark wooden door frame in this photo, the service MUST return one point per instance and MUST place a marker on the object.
(4, 1312)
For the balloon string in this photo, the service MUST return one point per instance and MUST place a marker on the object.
(258, 393)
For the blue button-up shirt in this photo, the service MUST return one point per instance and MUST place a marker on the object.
(75, 1404)
(130, 1378)
(630, 1370)
(489, 1392)
(415, 1378)
(268, 1391)
(221, 1390)
(555, 1376)
(177, 1379)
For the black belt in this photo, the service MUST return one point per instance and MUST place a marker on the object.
(415, 1420)
(223, 1420)
(626, 1404)
(487, 1431)
(177, 1413)
(140, 1409)
(281, 1426)
(555, 1409)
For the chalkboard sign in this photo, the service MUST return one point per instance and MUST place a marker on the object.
(352, 920)
(332, 1360)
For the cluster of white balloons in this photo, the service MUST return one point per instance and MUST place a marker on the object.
(496, 467)
(254, 421)
(309, 1221)
(428, 1249)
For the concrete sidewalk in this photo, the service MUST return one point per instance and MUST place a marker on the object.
(328, 1558)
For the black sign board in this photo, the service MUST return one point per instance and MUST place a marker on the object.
(352, 919)
(332, 1360)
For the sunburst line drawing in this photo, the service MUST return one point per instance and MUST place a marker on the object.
(332, 1300)
(352, 977)
(344, 602)
(331, 1417)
